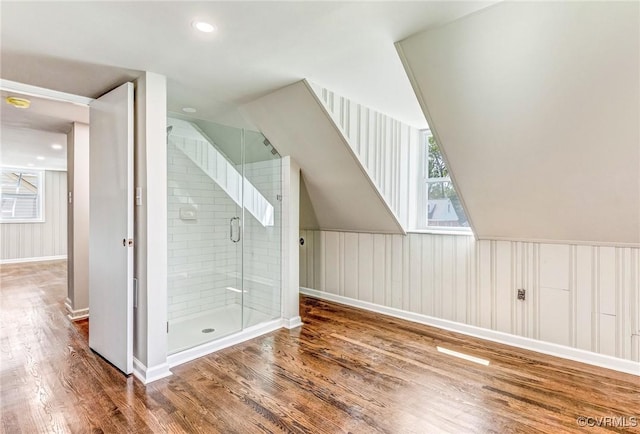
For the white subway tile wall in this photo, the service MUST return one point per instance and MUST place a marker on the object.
(203, 261)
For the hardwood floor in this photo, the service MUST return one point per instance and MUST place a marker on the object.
(345, 370)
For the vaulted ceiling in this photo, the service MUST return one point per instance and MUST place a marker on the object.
(537, 108)
(536, 105)
(87, 48)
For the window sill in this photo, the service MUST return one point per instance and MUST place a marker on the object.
(4, 222)
(434, 231)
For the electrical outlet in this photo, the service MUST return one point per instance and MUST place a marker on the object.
(522, 293)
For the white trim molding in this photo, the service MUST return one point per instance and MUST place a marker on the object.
(211, 347)
(572, 242)
(601, 360)
(75, 314)
(41, 92)
(36, 259)
(292, 323)
(147, 375)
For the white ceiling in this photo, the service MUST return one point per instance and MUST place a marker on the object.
(21, 147)
(29, 133)
(86, 48)
(548, 94)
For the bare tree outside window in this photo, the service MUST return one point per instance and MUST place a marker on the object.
(443, 205)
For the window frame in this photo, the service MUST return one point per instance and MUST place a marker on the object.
(423, 200)
(41, 173)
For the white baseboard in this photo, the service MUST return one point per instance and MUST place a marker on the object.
(37, 259)
(578, 355)
(219, 344)
(147, 375)
(77, 314)
(291, 323)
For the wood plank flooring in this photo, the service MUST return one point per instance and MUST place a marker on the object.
(345, 370)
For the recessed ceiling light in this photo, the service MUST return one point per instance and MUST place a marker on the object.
(56, 146)
(40, 157)
(189, 110)
(203, 26)
(21, 103)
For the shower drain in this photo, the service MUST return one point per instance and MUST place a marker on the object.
(209, 330)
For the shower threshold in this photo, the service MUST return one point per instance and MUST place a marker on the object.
(211, 325)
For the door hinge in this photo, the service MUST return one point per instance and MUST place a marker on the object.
(167, 326)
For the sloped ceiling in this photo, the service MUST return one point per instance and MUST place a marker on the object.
(88, 48)
(341, 193)
(536, 106)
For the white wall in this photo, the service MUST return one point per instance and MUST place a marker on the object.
(78, 221)
(535, 106)
(24, 241)
(294, 119)
(150, 231)
(387, 148)
(291, 212)
(586, 297)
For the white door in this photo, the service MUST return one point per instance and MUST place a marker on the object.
(111, 227)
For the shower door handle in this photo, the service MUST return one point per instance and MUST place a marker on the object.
(235, 240)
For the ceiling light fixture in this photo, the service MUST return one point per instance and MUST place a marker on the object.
(21, 103)
(40, 157)
(56, 146)
(203, 26)
(189, 110)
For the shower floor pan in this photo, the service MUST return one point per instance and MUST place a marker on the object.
(211, 325)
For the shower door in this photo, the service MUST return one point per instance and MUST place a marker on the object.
(224, 231)
(205, 188)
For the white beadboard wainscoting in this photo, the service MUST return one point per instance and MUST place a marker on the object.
(23, 242)
(386, 147)
(584, 301)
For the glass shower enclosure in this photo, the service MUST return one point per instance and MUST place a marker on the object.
(224, 227)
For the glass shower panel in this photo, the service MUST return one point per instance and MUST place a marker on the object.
(205, 183)
(262, 230)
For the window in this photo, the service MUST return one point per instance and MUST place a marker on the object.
(22, 195)
(442, 208)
